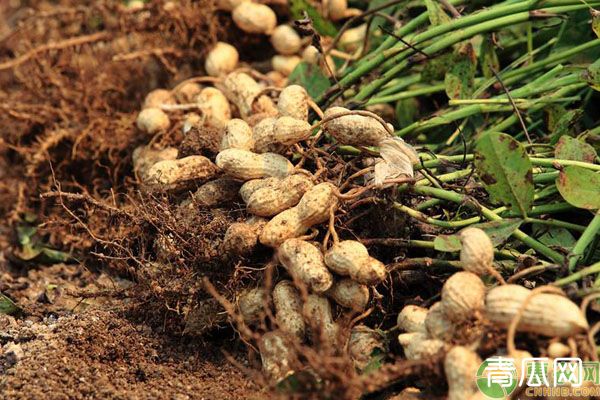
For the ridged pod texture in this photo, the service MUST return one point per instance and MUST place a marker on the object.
(276, 354)
(314, 206)
(221, 59)
(214, 106)
(293, 102)
(285, 40)
(288, 309)
(461, 365)
(363, 342)
(270, 201)
(289, 130)
(546, 314)
(254, 18)
(355, 130)
(283, 226)
(174, 174)
(251, 186)
(477, 251)
(412, 319)
(219, 191)
(144, 157)
(242, 237)
(152, 120)
(350, 294)
(304, 262)
(263, 135)
(417, 345)
(241, 89)
(245, 165)
(317, 311)
(157, 98)
(351, 258)
(251, 304)
(463, 296)
(437, 324)
(238, 135)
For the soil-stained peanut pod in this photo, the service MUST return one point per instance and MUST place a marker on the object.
(248, 188)
(238, 135)
(269, 201)
(558, 350)
(153, 120)
(352, 39)
(263, 134)
(317, 314)
(245, 165)
(312, 56)
(229, 5)
(417, 345)
(293, 102)
(277, 355)
(214, 106)
(221, 59)
(363, 342)
(158, 97)
(254, 18)
(187, 92)
(289, 130)
(179, 174)
(350, 294)
(251, 304)
(241, 238)
(304, 262)
(285, 40)
(144, 157)
(460, 366)
(288, 309)
(241, 89)
(437, 324)
(463, 296)
(312, 209)
(477, 251)
(219, 191)
(412, 319)
(355, 130)
(351, 258)
(545, 314)
(285, 64)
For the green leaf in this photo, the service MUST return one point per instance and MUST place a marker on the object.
(460, 77)
(311, 78)
(377, 357)
(499, 231)
(447, 243)
(595, 21)
(7, 306)
(592, 75)
(505, 169)
(569, 148)
(565, 124)
(407, 111)
(553, 236)
(488, 58)
(377, 20)
(580, 187)
(321, 25)
(436, 13)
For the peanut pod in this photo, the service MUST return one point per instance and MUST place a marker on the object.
(304, 262)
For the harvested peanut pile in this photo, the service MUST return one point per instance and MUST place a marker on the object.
(390, 200)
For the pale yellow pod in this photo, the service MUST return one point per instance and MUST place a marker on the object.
(461, 365)
(175, 174)
(219, 191)
(293, 102)
(363, 342)
(317, 313)
(545, 314)
(254, 18)
(283, 226)
(477, 251)
(285, 40)
(157, 98)
(314, 206)
(144, 157)
(241, 238)
(355, 130)
(285, 64)
(558, 350)
(188, 92)
(229, 5)
(263, 134)
(289, 130)
(351, 258)
(214, 106)
(304, 262)
(350, 294)
(312, 56)
(412, 319)
(277, 355)
(337, 9)
(221, 59)
(417, 345)
(463, 296)
(245, 165)
(241, 89)
(251, 304)
(437, 324)
(248, 188)
(153, 120)
(238, 135)
(352, 39)
(277, 79)
(288, 309)
(269, 201)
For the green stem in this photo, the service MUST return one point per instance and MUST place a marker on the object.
(584, 241)
(543, 209)
(574, 277)
(556, 222)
